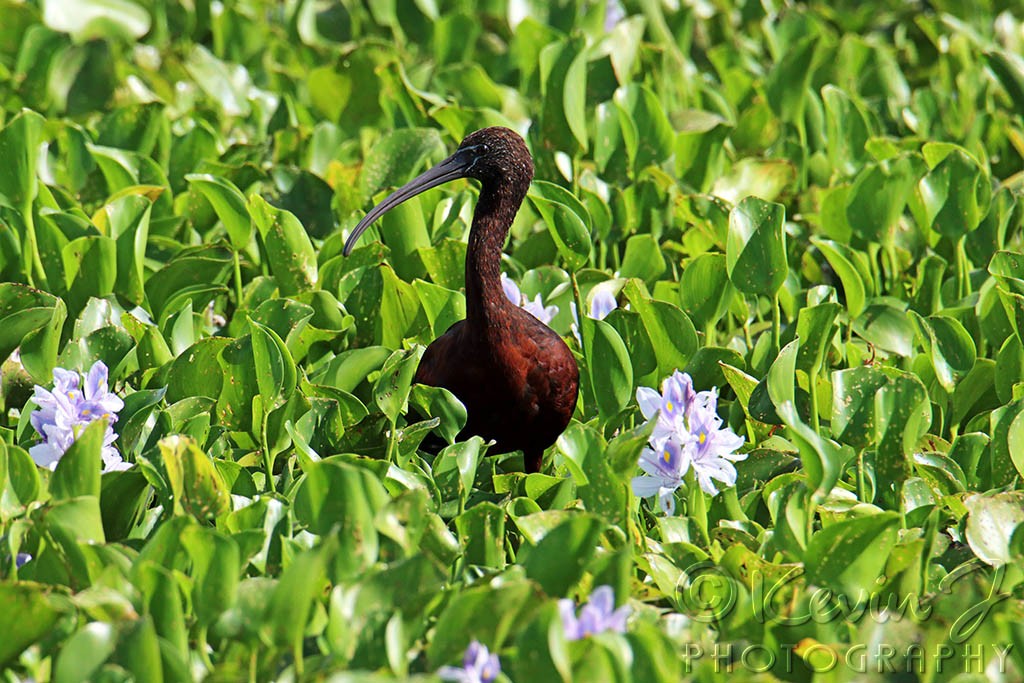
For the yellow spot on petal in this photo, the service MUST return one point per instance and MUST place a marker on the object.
(666, 455)
(668, 406)
(702, 438)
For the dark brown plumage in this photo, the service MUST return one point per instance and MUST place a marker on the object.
(516, 377)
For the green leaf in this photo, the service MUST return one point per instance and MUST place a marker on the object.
(215, 572)
(991, 521)
(556, 563)
(851, 271)
(756, 247)
(815, 328)
(878, 198)
(705, 290)
(440, 403)
(196, 371)
(275, 369)
(138, 650)
(28, 612)
(336, 494)
(19, 146)
(78, 470)
(949, 346)
(822, 458)
(574, 98)
(391, 392)
(849, 556)
(955, 194)
(789, 79)
(290, 604)
(96, 18)
(396, 156)
(567, 219)
(229, 204)
(198, 487)
(643, 259)
(488, 613)
(609, 365)
(84, 652)
(290, 254)
(32, 319)
(671, 333)
(482, 535)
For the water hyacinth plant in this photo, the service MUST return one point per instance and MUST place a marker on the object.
(687, 435)
(597, 616)
(817, 208)
(478, 666)
(64, 412)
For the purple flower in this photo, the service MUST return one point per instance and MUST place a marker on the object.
(602, 302)
(670, 408)
(665, 470)
(597, 616)
(20, 559)
(687, 433)
(478, 666)
(64, 412)
(712, 449)
(613, 14)
(536, 308)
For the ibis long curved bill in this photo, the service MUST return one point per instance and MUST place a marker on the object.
(456, 166)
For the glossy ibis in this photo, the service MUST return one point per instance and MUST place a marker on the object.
(516, 377)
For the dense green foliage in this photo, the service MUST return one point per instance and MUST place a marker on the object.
(815, 209)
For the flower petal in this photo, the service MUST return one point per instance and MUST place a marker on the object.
(645, 487)
(667, 500)
(649, 401)
(602, 303)
(511, 290)
(96, 381)
(603, 599)
(567, 610)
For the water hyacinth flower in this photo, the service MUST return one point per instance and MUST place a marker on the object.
(664, 474)
(712, 449)
(602, 302)
(687, 433)
(613, 14)
(536, 308)
(597, 616)
(64, 413)
(478, 666)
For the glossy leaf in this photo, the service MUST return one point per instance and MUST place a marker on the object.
(756, 248)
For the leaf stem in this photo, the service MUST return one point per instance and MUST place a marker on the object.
(812, 389)
(34, 273)
(697, 506)
(862, 488)
(238, 280)
(776, 325)
(963, 271)
(732, 504)
(203, 647)
(268, 459)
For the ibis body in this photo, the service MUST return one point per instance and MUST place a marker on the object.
(515, 375)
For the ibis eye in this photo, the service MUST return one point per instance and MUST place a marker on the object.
(484, 148)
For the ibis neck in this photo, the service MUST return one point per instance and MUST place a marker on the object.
(485, 298)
